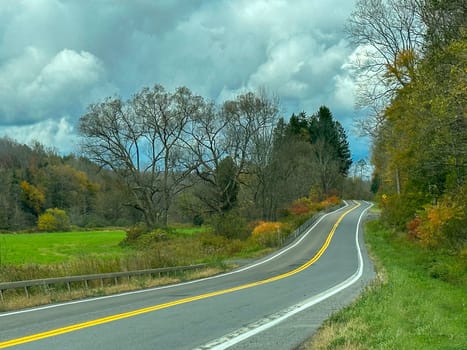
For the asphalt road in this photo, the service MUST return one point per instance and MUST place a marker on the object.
(273, 303)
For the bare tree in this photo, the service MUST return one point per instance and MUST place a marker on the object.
(240, 131)
(142, 142)
(256, 115)
(389, 37)
(326, 168)
(207, 140)
(165, 117)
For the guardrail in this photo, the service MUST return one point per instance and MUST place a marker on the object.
(46, 282)
(115, 275)
(307, 224)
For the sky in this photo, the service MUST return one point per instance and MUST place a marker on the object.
(59, 56)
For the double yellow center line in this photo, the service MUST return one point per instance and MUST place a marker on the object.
(92, 323)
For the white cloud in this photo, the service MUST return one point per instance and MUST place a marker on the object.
(67, 69)
(52, 133)
(35, 86)
(344, 92)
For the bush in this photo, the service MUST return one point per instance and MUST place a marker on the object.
(230, 225)
(151, 239)
(198, 220)
(306, 206)
(398, 210)
(440, 225)
(133, 233)
(270, 234)
(330, 202)
(53, 220)
(218, 246)
(301, 206)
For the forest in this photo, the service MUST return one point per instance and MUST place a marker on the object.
(172, 157)
(413, 80)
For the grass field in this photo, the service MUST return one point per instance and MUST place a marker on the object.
(57, 247)
(45, 248)
(418, 302)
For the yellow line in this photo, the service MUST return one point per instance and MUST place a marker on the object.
(78, 326)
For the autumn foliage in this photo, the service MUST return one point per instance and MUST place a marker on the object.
(330, 201)
(270, 233)
(438, 225)
(301, 206)
(53, 220)
(306, 206)
(273, 233)
(32, 197)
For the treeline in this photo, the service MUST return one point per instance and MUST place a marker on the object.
(165, 157)
(418, 75)
(231, 162)
(33, 179)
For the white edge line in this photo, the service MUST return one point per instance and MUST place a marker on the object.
(309, 302)
(279, 253)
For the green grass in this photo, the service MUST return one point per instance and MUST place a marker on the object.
(419, 301)
(45, 248)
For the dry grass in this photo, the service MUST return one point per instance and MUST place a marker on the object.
(327, 338)
(17, 299)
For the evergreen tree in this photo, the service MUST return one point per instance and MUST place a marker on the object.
(323, 128)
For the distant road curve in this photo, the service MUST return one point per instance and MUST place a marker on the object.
(242, 309)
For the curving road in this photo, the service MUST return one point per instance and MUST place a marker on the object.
(273, 303)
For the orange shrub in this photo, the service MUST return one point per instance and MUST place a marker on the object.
(301, 206)
(428, 226)
(270, 233)
(306, 206)
(330, 201)
(266, 226)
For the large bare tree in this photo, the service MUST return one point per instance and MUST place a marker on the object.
(142, 141)
(240, 132)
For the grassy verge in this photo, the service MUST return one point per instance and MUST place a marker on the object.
(417, 302)
(17, 299)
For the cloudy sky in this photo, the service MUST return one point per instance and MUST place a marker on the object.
(58, 56)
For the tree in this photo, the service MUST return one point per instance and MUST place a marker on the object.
(298, 125)
(220, 194)
(53, 219)
(142, 141)
(444, 22)
(419, 150)
(166, 118)
(386, 33)
(290, 172)
(237, 136)
(33, 197)
(33, 178)
(323, 127)
(326, 169)
(70, 189)
(331, 153)
(428, 114)
(261, 150)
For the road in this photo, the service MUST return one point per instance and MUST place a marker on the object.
(249, 308)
